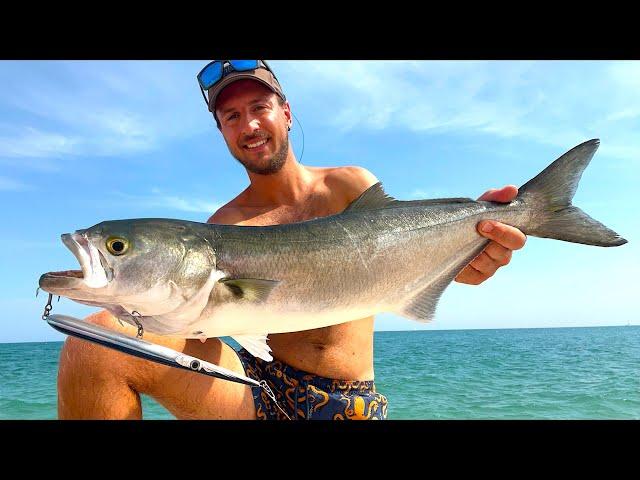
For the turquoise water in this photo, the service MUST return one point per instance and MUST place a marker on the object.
(563, 373)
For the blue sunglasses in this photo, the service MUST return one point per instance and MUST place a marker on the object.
(214, 71)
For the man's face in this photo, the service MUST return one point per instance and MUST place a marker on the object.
(254, 126)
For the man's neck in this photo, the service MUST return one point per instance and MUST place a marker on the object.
(288, 186)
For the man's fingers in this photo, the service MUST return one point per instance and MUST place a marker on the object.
(500, 255)
(485, 264)
(506, 235)
(488, 195)
(491, 259)
(470, 276)
(498, 252)
(503, 195)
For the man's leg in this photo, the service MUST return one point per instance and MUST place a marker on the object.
(96, 382)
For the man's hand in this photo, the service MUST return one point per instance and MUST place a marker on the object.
(504, 238)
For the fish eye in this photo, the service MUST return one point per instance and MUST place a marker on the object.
(117, 245)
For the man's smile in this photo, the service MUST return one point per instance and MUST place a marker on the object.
(256, 145)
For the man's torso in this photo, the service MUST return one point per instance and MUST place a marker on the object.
(343, 351)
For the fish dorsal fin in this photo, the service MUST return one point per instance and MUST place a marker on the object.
(375, 197)
(372, 198)
(251, 289)
(256, 345)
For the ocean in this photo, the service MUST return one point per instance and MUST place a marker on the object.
(559, 373)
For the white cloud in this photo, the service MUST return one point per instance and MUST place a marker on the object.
(119, 108)
(162, 201)
(31, 142)
(553, 103)
(99, 107)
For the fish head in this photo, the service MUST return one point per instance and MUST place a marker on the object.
(152, 259)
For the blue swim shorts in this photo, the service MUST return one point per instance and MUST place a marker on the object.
(306, 396)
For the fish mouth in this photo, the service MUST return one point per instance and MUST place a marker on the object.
(95, 270)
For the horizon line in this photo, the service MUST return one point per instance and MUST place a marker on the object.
(412, 330)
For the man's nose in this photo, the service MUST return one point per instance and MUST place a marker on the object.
(248, 121)
(252, 124)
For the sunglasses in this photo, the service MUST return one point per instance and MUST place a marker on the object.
(214, 71)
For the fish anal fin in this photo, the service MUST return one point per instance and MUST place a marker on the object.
(256, 345)
(422, 306)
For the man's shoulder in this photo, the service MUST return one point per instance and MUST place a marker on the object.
(228, 214)
(350, 181)
(342, 184)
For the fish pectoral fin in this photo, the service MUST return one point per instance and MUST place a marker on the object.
(256, 345)
(252, 289)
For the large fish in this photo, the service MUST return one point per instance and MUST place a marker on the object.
(380, 254)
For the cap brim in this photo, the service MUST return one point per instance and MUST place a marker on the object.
(233, 77)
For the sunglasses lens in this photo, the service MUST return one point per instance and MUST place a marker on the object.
(210, 75)
(243, 65)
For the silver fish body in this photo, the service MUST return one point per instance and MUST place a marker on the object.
(379, 255)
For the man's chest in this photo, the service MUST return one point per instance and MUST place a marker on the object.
(307, 210)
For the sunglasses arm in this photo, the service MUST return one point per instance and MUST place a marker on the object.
(205, 98)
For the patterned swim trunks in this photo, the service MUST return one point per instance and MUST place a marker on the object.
(306, 396)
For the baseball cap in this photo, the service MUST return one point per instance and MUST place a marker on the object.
(219, 74)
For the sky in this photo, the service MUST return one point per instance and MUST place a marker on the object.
(87, 141)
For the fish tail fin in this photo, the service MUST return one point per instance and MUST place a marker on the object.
(549, 196)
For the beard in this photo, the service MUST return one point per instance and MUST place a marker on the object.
(274, 164)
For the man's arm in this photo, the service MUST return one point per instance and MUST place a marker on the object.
(504, 240)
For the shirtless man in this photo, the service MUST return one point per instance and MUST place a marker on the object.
(324, 373)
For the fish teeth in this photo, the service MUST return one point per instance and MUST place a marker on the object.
(93, 272)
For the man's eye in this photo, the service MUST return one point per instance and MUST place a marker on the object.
(232, 116)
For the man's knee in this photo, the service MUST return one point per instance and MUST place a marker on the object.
(92, 380)
(82, 355)
(100, 374)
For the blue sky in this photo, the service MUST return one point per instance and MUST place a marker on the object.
(82, 142)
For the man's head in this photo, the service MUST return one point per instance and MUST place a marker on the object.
(251, 112)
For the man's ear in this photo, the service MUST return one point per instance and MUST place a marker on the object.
(287, 113)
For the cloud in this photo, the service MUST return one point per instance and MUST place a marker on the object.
(162, 201)
(552, 103)
(98, 107)
(31, 142)
(112, 108)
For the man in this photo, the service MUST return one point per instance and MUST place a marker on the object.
(325, 373)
